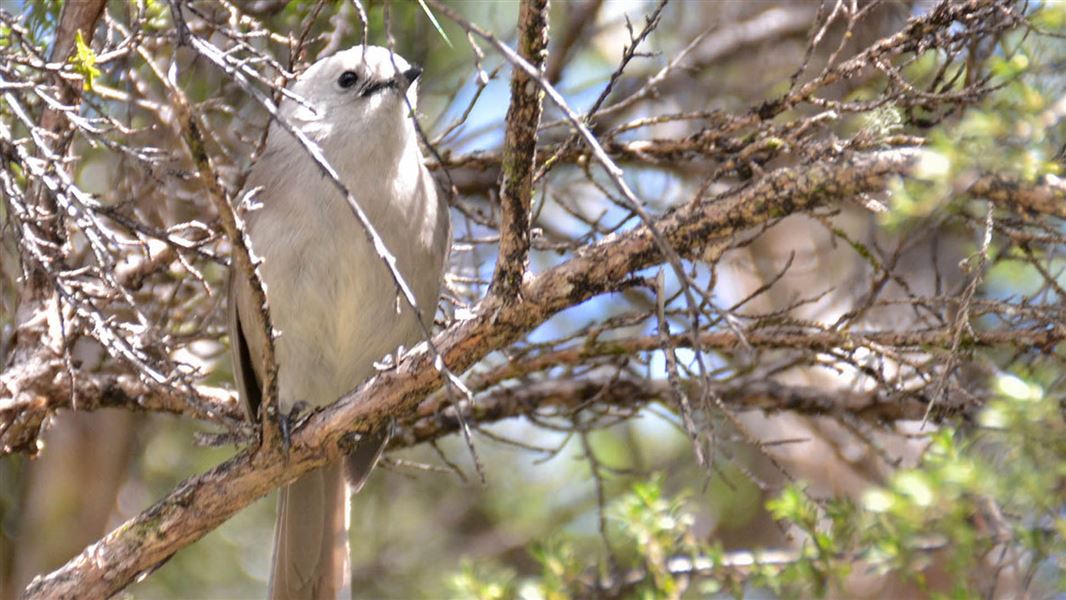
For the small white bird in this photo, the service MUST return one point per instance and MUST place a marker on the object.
(330, 295)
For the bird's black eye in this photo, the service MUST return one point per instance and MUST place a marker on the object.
(348, 79)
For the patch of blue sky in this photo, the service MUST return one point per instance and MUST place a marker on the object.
(1011, 280)
(656, 190)
(481, 130)
(604, 306)
(582, 82)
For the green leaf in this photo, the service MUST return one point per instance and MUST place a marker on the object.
(84, 61)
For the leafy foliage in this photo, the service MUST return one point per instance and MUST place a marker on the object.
(986, 498)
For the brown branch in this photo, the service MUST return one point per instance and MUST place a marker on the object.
(75, 18)
(776, 23)
(570, 395)
(657, 151)
(435, 419)
(46, 388)
(202, 503)
(39, 320)
(190, 128)
(39, 382)
(472, 171)
(721, 568)
(919, 34)
(246, 270)
(1046, 196)
(20, 421)
(520, 144)
(30, 390)
(726, 341)
(614, 172)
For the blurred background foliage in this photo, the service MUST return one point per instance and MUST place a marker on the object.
(919, 513)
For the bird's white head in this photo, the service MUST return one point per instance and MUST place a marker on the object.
(357, 94)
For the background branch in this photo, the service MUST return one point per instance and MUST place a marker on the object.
(823, 287)
(203, 502)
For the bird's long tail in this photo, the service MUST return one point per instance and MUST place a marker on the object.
(311, 538)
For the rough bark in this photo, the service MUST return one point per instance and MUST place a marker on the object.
(203, 502)
(520, 144)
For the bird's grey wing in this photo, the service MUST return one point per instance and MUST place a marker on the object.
(444, 220)
(244, 371)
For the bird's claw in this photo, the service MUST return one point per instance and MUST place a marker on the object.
(286, 422)
(389, 361)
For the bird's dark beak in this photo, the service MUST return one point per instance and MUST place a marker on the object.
(410, 75)
(413, 73)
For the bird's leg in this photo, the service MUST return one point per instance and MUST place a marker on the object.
(286, 422)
